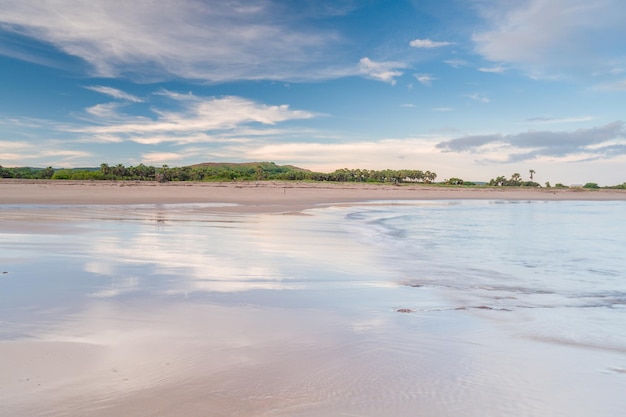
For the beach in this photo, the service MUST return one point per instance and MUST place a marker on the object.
(267, 196)
(310, 300)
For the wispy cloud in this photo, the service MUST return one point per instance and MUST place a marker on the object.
(548, 37)
(195, 119)
(18, 151)
(37, 142)
(161, 157)
(598, 142)
(14, 151)
(382, 71)
(557, 120)
(148, 40)
(619, 85)
(105, 110)
(115, 93)
(457, 62)
(66, 153)
(496, 70)
(428, 44)
(478, 97)
(171, 120)
(12, 146)
(425, 79)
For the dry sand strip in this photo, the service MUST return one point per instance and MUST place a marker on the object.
(265, 196)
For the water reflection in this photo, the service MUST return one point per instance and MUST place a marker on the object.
(111, 311)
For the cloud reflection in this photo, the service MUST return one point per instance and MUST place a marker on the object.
(264, 252)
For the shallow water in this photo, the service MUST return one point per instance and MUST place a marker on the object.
(425, 309)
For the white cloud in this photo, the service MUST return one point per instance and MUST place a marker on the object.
(9, 156)
(99, 138)
(104, 110)
(160, 157)
(613, 86)
(549, 37)
(443, 109)
(382, 71)
(152, 40)
(51, 157)
(13, 146)
(177, 120)
(427, 43)
(115, 93)
(557, 120)
(68, 154)
(25, 122)
(47, 152)
(457, 63)
(425, 79)
(496, 70)
(194, 116)
(479, 97)
(327, 157)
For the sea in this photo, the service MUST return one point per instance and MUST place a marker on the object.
(470, 308)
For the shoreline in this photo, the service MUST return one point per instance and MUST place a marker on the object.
(267, 196)
(119, 310)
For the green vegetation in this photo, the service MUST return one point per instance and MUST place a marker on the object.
(77, 174)
(514, 181)
(365, 175)
(213, 171)
(260, 171)
(26, 172)
(455, 181)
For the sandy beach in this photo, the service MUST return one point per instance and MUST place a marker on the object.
(221, 307)
(266, 196)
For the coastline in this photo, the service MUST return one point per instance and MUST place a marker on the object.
(179, 313)
(266, 196)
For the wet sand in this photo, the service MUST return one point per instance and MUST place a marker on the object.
(266, 196)
(152, 317)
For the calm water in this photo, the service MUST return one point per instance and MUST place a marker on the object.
(431, 309)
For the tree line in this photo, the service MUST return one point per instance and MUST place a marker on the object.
(514, 181)
(257, 171)
(218, 172)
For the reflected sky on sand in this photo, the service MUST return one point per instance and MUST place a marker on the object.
(175, 310)
(171, 250)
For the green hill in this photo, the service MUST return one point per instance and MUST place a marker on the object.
(269, 167)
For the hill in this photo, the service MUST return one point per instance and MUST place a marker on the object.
(269, 167)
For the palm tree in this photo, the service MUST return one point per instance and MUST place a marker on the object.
(163, 174)
(532, 172)
(429, 177)
(105, 169)
(259, 171)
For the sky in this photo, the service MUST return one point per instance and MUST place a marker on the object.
(472, 89)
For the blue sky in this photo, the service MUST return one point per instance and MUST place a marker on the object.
(465, 88)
